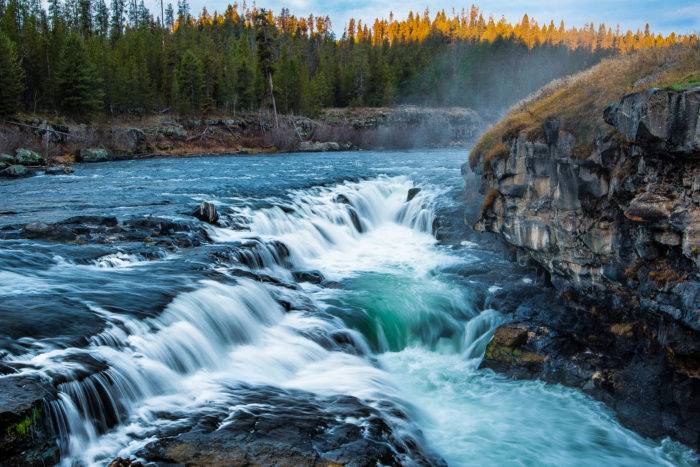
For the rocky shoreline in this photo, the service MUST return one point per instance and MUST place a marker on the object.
(23, 145)
(617, 235)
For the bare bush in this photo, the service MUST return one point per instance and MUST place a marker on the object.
(283, 137)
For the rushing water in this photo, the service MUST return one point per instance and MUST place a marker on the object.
(137, 340)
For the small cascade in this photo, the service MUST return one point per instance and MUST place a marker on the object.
(221, 335)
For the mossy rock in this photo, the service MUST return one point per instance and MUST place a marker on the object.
(28, 157)
(16, 171)
(509, 352)
(95, 155)
(6, 160)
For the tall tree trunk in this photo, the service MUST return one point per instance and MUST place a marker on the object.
(272, 96)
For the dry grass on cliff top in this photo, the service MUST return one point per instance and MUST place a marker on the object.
(579, 100)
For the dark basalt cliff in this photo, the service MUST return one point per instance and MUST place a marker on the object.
(618, 236)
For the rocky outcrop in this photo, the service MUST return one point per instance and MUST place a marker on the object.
(316, 146)
(290, 428)
(26, 438)
(618, 235)
(155, 231)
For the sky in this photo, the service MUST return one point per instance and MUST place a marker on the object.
(681, 16)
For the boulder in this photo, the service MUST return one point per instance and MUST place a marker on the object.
(313, 277)
(59, 170)
(25, 433)
(508, 353)
(28, 157)
(129, 140)
(94, 155)
(172, 130)
(16, 171)
(290, 428)
(316, 146)
(412, 192)
(6, 160)
(206, 212)
(43, 231)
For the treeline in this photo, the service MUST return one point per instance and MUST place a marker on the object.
(84, 58)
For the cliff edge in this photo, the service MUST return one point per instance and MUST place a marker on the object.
(607, 207)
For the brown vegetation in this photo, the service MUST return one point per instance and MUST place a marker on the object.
(579, 100)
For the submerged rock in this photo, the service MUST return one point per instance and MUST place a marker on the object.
(206, 212)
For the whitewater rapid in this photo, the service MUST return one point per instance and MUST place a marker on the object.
(385, 321)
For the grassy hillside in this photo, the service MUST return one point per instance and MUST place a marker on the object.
(580, 99)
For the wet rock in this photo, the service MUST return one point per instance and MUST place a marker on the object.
(316, 146)
(43, 231)
(356, 221)
(342, 199)
(206, 212)
(290, 428)
(508, 352)
(313, 277)
(121, 462)
(28, 157)
(94, 155)
(109, 221)
(618, 236)
(16, 171)
(25, 433)
(412, 192)
(59, 170)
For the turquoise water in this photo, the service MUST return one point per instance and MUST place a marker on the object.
(181, 332)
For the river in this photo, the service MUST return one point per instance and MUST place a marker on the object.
(321, 281)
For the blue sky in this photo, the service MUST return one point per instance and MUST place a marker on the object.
(664, 16)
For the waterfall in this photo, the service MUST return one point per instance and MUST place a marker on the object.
(217, 335)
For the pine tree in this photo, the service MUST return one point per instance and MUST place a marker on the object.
(11, 78)
(101, 18)
(264, 36)
(85, 8)
(169, 16)
(117, 18)
(189, 84)
(78, 84)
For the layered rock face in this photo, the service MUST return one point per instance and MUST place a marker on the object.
(618, 235)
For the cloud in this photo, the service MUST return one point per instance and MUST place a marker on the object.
(681, 16)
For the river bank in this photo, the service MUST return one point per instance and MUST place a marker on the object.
(24, 142)
(603, 199)
(334, 313)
